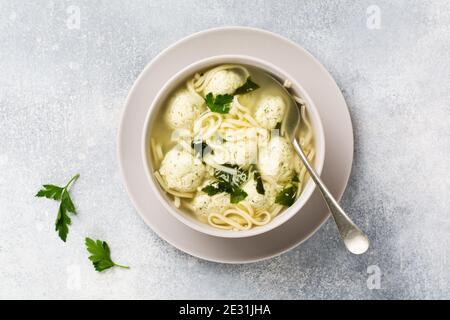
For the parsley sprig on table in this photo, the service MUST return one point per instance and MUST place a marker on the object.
(100, 252)
(66, 205)
(101, 255)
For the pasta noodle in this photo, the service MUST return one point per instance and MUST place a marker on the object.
(240, 217)
(172, 192)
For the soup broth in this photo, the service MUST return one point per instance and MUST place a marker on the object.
(219, 151)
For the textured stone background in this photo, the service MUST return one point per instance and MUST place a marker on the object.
(61, 92)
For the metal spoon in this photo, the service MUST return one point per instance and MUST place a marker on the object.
(354, 239)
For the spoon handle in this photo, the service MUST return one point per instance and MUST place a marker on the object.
(354, 239)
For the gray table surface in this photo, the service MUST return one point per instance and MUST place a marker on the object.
(61, 92)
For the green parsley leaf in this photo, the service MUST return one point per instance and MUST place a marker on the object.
(236, 179)
(247, 87)
(228, 183)
(218, 187)
(259, 183)
(50, 192)
(100, 255)
(212, 190)
(237, 195)
(66, 201)
(220, 103)
(286, 197)
(66, 205)
(62, 222)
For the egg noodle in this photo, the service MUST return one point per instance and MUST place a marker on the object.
(237, 125)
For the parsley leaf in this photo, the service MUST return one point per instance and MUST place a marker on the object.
(62, 223)
(100, 255)
(247, 87)
(66, 205)
(218, 187)
(235, 179)
(237, 195)
(259, 183)
(287, 196)
(220, 103)
(212, 190)
(228, 183)
(50, 192)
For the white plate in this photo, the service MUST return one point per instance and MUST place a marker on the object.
(304, 68)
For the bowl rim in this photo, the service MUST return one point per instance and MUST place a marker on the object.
(266, 66)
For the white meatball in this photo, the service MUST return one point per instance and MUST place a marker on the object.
(240, 147)
(182, 171)
(259, 201)
(241, 153)
(224, 82)
(277, 159)
(270, 111)
(204, 204)
(183, 109)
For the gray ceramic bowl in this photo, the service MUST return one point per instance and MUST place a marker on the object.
(173, 83)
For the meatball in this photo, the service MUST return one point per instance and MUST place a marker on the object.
(182, 171)
(183, 109)
(204, 204)
(277, 159)
(240, 147)
(270, 111)
(224, 82)
(241, 153)
(259, 201)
